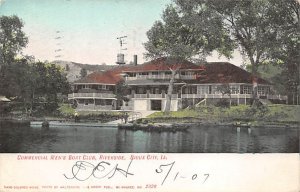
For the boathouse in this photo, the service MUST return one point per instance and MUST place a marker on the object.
(147, 86)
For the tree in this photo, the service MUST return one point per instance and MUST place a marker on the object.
(225, 90)
(33, 84)
(12, 38)
(174, 70)
(185, 38)
(194, 28)
(285, 53)
(83, 72)
(121, 91)
(49, 82)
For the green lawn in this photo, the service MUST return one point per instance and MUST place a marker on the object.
(270, 113)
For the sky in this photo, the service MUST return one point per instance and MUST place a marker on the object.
(86, 31)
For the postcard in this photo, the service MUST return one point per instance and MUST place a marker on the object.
(164, 95)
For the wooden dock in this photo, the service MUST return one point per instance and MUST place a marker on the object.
(157, 127)
(71, 124)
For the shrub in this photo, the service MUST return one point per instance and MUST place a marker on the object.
(223, 103)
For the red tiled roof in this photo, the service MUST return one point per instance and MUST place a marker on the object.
(224, 72)
(164, 64)
(100, 78)
(214, 72)
(112, 76)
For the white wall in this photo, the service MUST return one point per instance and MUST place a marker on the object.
(140, 105)
(174, 105)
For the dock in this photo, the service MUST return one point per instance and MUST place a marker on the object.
(71, 124)
(157, 127)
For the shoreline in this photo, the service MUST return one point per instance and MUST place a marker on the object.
(177, 124)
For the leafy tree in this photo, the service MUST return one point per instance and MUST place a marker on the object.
(285, 53)
(225, 90)
(184, 37)
(49, 81)
(121, 91)
(12, 38)
(195, 28)
(83, 72)
(33, 84)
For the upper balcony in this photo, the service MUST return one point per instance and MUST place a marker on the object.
(91, 96)
(160, 76)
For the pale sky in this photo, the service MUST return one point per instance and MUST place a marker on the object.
(86, 31)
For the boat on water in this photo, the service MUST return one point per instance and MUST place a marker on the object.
(242, 125)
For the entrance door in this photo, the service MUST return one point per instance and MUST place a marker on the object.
(156, 105)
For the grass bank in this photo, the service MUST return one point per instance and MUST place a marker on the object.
(263, 115)
(66, 112)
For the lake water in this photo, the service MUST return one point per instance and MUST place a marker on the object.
(199, 139)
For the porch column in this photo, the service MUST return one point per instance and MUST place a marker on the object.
(163, 92)
(132, 93)
(94, 101)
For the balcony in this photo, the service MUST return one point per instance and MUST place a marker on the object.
(233, 96)
(140, 96)
(91, 95)
(154, 96)
(163, 77)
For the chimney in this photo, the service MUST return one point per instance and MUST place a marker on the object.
(135, 59)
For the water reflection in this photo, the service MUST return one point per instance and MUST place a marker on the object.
(198, 139)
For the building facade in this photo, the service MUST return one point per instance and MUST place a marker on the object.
(147, 86)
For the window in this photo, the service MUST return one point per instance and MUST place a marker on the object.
(203, 89)
(103, 87)
(246, 89)
(87, 86)
(131, 74)
(214, 89)
(235, 89)
(88, 101)
(263, 90)
(141, 90)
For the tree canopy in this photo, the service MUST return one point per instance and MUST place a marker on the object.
(26, 81)
(264, 31)
(12, 38)
(186, 37)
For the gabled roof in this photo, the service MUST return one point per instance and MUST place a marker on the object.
(164, 64)
(100, 78)
(213, 72)
(224, 72)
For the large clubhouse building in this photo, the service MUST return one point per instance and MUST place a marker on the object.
(147, 86)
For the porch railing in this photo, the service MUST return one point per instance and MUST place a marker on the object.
(91, 95)
(233, 96)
